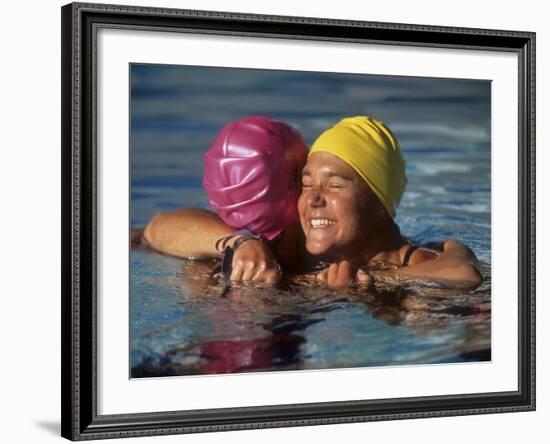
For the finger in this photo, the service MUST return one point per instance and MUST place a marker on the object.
(344, 275)
(237, 271)
(332, 275)
(323, 275)
(341, 275)
(260, 272)
(272, 276)
(363, 277)
(268, 273)
(248, 271)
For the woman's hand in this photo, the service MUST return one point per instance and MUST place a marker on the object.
(344, 273)
(254, 261)
(455, 268)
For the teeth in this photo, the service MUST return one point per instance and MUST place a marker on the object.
(321, 223)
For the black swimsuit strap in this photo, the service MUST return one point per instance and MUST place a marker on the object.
(408, 254)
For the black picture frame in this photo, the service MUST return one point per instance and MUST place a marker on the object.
(80, 420)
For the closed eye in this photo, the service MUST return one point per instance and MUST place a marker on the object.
(337, 184)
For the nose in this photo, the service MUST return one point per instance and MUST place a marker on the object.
(315, 198)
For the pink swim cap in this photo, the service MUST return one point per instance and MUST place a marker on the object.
(251, 174)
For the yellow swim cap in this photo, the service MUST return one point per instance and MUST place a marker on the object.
(371, 149)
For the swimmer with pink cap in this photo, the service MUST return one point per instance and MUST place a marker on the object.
(252, 175)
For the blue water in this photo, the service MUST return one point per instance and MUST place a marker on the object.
(184, 320)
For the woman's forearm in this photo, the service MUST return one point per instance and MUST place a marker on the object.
(186, 232)
(465, 278)
(455, 267)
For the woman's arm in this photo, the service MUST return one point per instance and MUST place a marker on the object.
(456, 267)
(192, 233)
(186, 232)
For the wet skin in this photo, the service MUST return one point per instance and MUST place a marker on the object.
(338, 211)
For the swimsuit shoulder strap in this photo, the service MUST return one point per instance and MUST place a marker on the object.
(408, 254)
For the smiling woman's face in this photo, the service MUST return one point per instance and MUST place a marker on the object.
(337, 209)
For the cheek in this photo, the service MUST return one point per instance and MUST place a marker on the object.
(301, 201)
(344, 208)
(351, 215)
(301, 207)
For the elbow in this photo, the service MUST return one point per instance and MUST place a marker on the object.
(468, 276)
(152, 230)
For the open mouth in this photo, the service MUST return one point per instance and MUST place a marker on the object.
(321, 223)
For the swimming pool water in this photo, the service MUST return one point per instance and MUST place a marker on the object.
(184, 320)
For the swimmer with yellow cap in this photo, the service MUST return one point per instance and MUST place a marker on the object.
(351, 186)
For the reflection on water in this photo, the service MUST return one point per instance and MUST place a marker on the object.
(190, 321)
(184, 320)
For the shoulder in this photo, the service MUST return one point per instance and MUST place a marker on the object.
(455, 248)
(451, 248)
(417, 254)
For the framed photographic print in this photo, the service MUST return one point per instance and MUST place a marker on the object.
(277, 221)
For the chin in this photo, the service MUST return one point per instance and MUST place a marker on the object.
(316, 248)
